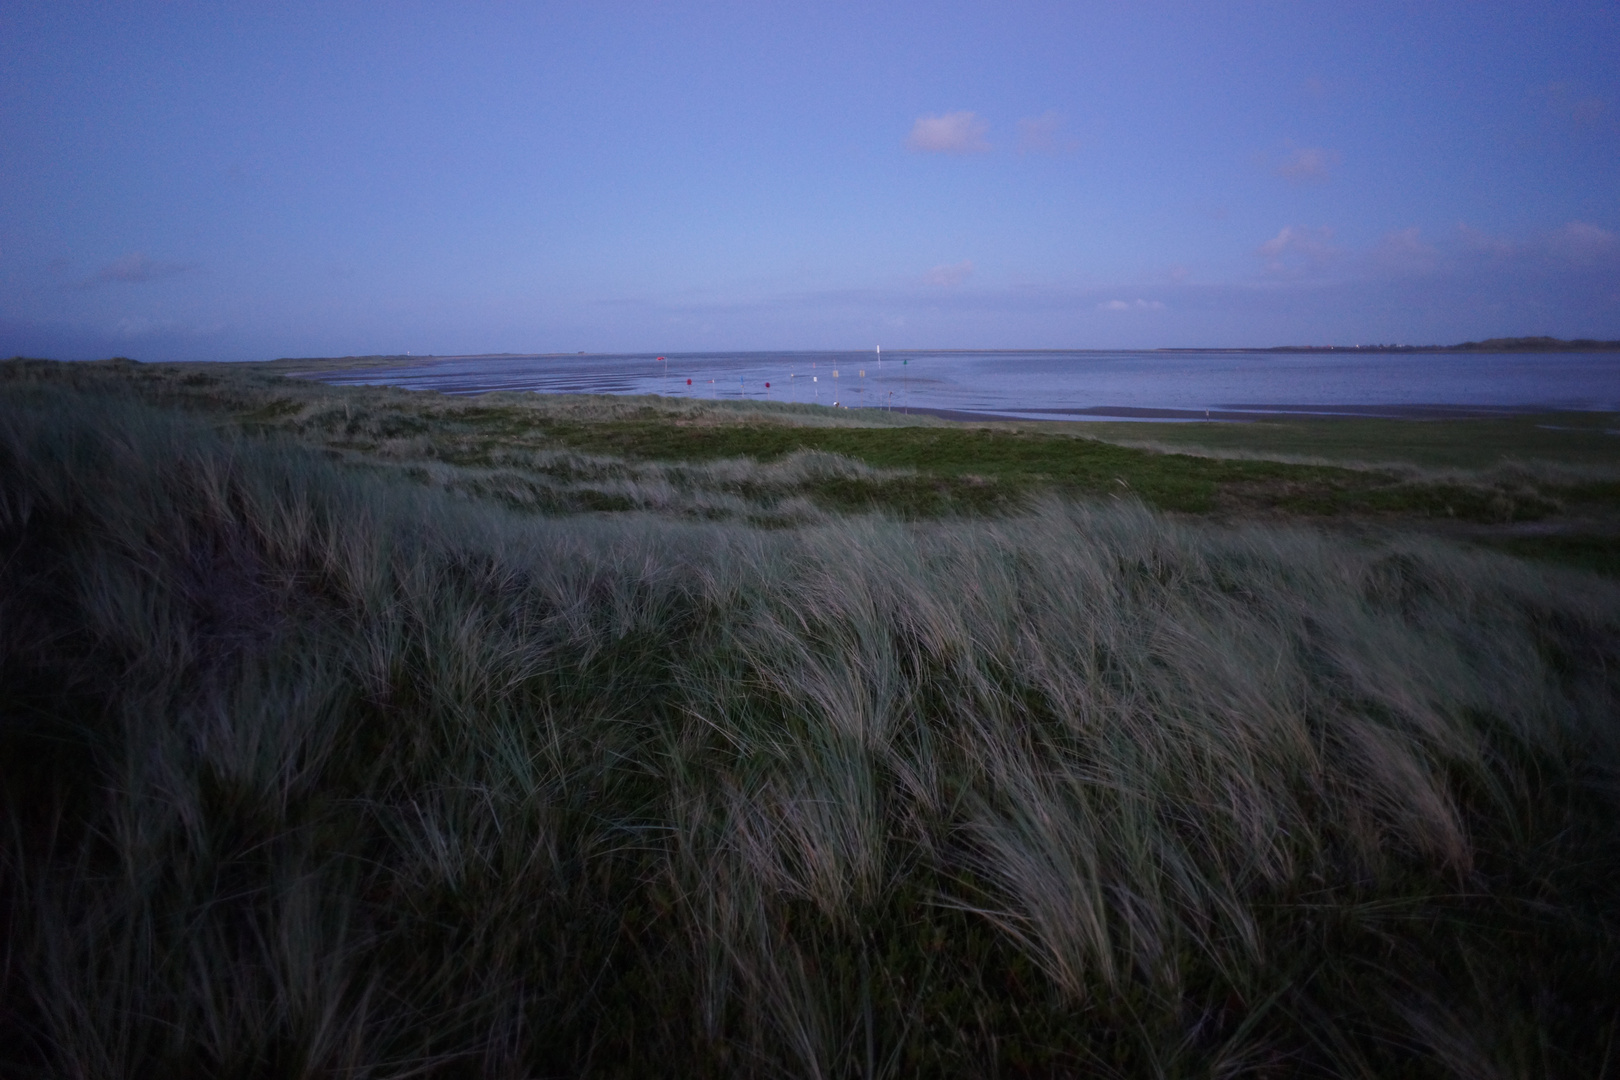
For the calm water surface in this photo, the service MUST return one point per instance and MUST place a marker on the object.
(1055, 385)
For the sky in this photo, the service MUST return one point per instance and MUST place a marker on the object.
(185, 181)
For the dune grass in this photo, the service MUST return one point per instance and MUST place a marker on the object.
(1571, 441)
(312, 767)
(600, 452)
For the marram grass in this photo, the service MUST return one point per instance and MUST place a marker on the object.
(316, 772)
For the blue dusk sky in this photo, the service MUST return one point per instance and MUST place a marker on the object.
(224, 181)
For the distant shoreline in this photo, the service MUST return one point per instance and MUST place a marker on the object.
(1490, 345)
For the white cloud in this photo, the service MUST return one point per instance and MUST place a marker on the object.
(1570, 104)
(1405, 251)
(135, 268)
(949, 274)
(1139, 305)
(950, 133)
(1579, 244)
(1296, 248)
(141, 326)
(1298, 238)
(1309, 165)
(1044, 134)
(1582, 243)
(1479, 242)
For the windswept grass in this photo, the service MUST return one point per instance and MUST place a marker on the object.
(1568, 443)
(764, 462)
(314, 769)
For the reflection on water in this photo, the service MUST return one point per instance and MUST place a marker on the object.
(1053, 385)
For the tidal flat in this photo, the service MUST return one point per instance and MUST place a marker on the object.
(358, 731)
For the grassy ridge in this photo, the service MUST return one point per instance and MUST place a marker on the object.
(1020, 461)
(1574, 442)
(578, 452)
(329, 755)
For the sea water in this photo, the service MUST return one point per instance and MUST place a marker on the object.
(1053, 385)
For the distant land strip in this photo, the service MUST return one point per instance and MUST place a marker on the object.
(1511, 344)
(1489, 345)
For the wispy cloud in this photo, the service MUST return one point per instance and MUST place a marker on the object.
(142, 326)
(143, 337)
(1578, 245)
(1479, 243)
(1359, 297)
(1577, 249)
(1568, 103)
(1045, 134)
(950, 133)
(1588, 111)
(1298, 249)
(134, 269)
(1305, 282)
(949, 274)
(1309, 165)
(1405, 251)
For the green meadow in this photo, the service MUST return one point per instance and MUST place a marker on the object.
(360, 732)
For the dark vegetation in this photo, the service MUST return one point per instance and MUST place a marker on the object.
(1488, 472)
(368, 733)
(1536, 344)
(1491, 345)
